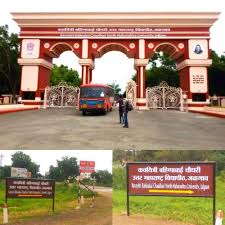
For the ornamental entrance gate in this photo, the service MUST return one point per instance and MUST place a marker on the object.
(61, 95)
(183, 36)
(164, 97)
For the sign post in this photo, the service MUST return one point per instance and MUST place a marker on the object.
(30, 188)
(177, 179)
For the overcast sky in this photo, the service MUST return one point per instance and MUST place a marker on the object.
(45, 158)
(114, 65)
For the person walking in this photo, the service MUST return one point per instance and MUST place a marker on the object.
(121, 106)
(127, 107)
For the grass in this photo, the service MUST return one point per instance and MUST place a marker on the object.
(196, 211)
(19, 209)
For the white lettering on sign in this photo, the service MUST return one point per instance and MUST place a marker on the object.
(137, 177)
(112, 29)
(113, 32)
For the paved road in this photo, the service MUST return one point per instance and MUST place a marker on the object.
(68, 129)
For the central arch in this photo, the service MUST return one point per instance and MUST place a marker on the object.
(113, 46)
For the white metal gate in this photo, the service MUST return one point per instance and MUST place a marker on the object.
(61, 95)
(164, 97)
(131, 91)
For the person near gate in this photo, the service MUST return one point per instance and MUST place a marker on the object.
(127, 107)
(121, 106)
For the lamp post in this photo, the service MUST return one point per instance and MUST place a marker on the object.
(214, 100)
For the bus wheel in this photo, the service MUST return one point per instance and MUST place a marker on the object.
(104, 111)
(110, 109)
(84, 113)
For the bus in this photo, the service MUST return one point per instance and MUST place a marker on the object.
(96, 98)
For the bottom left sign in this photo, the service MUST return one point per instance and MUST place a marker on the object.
(30, 188)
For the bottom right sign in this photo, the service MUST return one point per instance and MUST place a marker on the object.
(184, 179)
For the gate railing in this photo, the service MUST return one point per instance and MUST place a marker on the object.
(61, 95)
(164, 97)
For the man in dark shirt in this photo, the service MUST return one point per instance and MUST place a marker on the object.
(125, 114)
(121, 106)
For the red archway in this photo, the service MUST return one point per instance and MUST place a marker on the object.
(184, 36)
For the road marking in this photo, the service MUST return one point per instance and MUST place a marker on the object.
(203, 117)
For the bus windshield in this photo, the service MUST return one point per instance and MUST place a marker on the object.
(92, 92)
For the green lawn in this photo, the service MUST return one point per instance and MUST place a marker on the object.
(65, 199)
(197, 211)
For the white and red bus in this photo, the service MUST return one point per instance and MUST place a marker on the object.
(96, 98)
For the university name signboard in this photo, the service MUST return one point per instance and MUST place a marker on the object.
(114, 32)
(184, 179)
(171, 179)
(30, 188)
(87, 166)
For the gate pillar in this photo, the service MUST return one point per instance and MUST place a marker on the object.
(35, 72)
(139, 65)
(194, 81)
(87, 67)
(194, 72)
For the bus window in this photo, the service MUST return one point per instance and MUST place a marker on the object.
(92, 92)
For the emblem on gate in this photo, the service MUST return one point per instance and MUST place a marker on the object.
(30, 48)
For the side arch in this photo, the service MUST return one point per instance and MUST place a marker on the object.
(58, 48)
(168, 48)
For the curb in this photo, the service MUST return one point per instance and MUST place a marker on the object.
(209, 113)
(16, 110)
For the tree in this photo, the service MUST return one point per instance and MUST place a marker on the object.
(162, 59)
(162, 68)
(63, 73)
(5, 171)
(115, 87)
(216, 74)
(54, 173)
(68, 167)
(21, 160)
(103, 178)
(9, 68)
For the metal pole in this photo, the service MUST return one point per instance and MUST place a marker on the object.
(53, 201)
(128, 202)
(164, 101)
(62, 96)
(53, 204)
(6, 189)
(214, 210)
(181, 101)
(214, 196)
